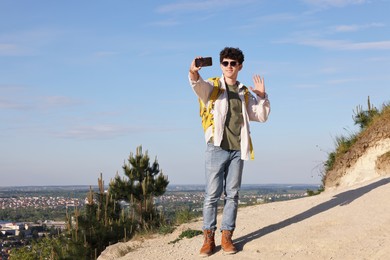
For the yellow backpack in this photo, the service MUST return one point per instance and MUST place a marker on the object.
(206, 112)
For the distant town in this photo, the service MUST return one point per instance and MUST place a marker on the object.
(37, 202)
(23, 208)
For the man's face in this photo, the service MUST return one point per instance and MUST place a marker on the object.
(230, 68)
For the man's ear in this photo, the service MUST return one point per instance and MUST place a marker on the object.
(240, 67)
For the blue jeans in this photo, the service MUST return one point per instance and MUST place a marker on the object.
(223, 173)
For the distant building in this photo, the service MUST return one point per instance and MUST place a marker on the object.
(12, 228)
(260, 200)
(56, 224)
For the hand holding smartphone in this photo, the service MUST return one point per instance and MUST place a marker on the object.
(203, 62)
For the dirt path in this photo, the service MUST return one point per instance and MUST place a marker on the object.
(351, 223)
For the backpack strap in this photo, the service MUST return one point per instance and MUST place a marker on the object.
(246, 97)
(216, 90)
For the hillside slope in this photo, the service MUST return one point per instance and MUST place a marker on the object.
(351, 223)
(368, 158)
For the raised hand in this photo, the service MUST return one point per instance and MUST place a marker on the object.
(194, 71)
(259, 88)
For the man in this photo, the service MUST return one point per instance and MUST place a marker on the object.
(228, 142)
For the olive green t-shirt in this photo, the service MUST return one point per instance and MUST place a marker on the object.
(234, 119)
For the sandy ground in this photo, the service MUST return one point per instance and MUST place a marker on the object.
(347, 223)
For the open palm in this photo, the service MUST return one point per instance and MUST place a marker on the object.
(259, 88)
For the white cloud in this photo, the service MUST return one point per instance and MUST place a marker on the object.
(12, 104)
(108, 131)
(194, 6)
(57, 101)
(355, 27)
(20, 98)
(345, 45)
(342, 81)
(333, 3)
(346, 28)
(278, 17)
(29, 42)
(379, 45)
(11, 49)
(100, 131)
(97, 131)
(306, 86)
(101, 54)
(36, 103)
(164, 23)
(329, 70)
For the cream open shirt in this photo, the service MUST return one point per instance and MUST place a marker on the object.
(258, 110)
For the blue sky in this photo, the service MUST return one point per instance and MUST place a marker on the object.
(83, 83)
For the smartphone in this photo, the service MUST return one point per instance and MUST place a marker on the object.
(203, 62)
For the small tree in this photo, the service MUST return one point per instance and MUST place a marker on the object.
(364, 117)
(101, 223)
(98, 225)
(45, 248)
(143, 184)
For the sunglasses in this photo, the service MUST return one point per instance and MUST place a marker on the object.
(232, 63)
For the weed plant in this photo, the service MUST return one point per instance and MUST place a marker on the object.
(363, 118)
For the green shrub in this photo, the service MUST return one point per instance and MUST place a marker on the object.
(184, 215)
(166, 229)
(189, 233)
(313, 193)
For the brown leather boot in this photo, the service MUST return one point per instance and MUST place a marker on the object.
(208, 244)
(227, 243)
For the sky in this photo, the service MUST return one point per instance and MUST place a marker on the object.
(84, 83)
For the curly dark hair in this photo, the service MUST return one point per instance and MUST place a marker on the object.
(231, 53)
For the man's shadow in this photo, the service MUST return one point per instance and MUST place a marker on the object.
(341, 199)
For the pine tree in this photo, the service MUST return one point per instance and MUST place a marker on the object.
(101, 223)
(142, 185)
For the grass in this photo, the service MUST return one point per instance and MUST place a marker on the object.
(344, 143)
(189, 233)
